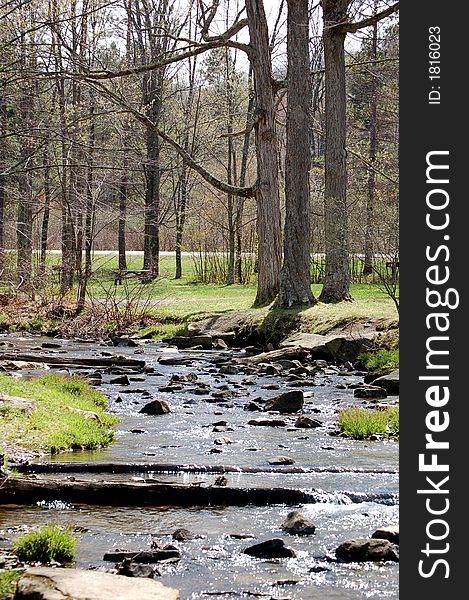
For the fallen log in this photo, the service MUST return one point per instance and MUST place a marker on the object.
(128, 467)
(113, 493)
(75, 361)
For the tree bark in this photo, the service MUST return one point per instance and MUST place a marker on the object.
(3, 166)
(46, 213)
(337, 275)
(373, 147)
(267, 188)
(242, 182)
(24, 223)
(295, 281)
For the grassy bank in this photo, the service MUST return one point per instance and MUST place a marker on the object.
(166, 306)
(65, 413)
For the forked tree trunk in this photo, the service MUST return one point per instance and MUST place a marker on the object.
(295, 281)
(267, 190)
(337, 277)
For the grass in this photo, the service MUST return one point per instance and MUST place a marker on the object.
(170, 304)
(362, 423)
(55, 424)
(47, 544)
(8, 580)
(382, 361)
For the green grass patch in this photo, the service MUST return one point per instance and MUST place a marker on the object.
(68, 414)
(383, 361)
(47, 544)
(8, 581)
(362, 423)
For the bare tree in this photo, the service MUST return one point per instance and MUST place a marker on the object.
(295, 282)
(336, 26)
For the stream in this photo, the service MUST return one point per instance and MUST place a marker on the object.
(355, 483)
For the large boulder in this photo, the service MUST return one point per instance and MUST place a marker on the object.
(270, 549)
(232, 327)
(73, 584)
(156, 407)
(183, 342)
(298, 524)
(304, 422)
(338, 346)
(24, 405)
(391, 533)
(370, 392)
(389, 382)
(288, 402)
(364, 549)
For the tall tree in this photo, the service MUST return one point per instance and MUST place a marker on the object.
(267, 185)
(336, 26)
(295, 281)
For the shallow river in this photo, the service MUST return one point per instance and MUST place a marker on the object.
(349, 503)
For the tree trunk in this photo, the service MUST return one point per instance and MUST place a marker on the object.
(337, 275)
(267, 190)
(46, 213)
(152, 203)
(373, 147)
(242, 183)
(3, 167)
(123, 193)
(24, 223)
(24, 231)
(89, 211)
(295, 281)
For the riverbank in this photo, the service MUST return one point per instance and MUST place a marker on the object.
(51, 414)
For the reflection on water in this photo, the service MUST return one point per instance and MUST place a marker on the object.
(215, 561)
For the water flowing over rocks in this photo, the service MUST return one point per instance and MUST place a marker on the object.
(207, 392)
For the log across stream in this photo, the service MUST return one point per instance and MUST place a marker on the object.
(20, 490)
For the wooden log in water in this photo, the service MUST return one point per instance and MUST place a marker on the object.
(16, 490)
(129, 467)
(74, 361)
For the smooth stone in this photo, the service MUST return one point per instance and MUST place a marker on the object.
(75, 584)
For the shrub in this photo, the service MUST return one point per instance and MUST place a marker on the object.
(382, 361)
(361, 423)
(47, 544)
